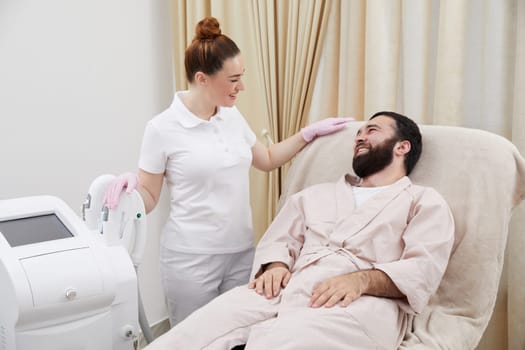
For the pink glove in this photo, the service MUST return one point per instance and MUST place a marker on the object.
(323, 127)
(129, 181)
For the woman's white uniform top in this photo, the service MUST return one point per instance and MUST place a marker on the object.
(206, 166)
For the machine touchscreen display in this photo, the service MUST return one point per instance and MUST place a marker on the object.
(33, 229)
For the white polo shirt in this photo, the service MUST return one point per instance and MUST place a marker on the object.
(206, 166)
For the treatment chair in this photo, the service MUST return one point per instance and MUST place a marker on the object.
(482, 177)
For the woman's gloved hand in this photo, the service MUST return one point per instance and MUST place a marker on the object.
(128, 181)
(324, 127)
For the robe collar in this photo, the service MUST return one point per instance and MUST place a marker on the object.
(350, 219)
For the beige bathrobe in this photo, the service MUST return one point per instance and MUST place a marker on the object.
(406, 230)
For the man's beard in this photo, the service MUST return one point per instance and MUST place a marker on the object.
(376, 159)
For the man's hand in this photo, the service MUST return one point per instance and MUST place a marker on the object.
(269, 283)
(344, 288)
(347, 288)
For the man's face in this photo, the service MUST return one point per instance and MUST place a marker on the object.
(374, 146)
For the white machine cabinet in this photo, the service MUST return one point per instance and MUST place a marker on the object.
(61, 286)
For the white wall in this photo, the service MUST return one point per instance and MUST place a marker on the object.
(78, 81)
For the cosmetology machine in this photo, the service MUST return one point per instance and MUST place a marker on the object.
(70, 283)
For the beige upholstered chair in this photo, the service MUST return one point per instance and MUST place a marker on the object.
(482, 176)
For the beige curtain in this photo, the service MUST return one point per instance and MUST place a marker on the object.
(452, 62)
(289, 42)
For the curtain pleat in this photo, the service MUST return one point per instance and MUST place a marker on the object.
(289, 44)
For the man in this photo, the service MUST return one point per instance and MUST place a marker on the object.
(344, 265)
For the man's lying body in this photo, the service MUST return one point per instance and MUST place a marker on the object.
(344, 265)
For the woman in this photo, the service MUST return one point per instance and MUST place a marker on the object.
(203, 147)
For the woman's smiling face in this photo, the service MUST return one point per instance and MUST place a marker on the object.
(226, 83)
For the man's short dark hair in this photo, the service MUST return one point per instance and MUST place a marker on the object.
(406, 129)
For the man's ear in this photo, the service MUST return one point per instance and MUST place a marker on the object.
(402, 147)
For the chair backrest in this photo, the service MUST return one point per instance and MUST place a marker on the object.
(482, 177)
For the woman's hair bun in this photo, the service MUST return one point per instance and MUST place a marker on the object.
(207, 28)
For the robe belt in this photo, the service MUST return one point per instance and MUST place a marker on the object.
(321, 251)
(360, 264)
